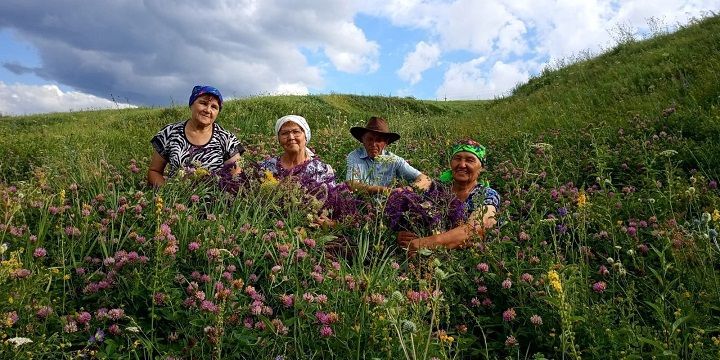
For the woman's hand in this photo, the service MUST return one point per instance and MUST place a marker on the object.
(404, 238)
(420, 243)
(156, 169)
(325, 222)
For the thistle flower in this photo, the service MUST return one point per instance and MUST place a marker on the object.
(287, 300)
(44, 312)
(528, 278)
(40, 253)
(11, 318)
(507, 283)
(326, 331)
(509, 314)
(116, 314)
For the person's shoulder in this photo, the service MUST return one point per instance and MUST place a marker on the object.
(222, 132)
(176, 126)
(268, 163)
(355, 154)
(171, 130)
(393, 156)
(321, 164)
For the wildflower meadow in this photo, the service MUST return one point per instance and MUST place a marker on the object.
(606, 244)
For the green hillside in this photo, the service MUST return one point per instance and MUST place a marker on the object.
(633, 80)
(606, 245)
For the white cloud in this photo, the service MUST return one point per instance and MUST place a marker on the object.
(153, 51)
(524, 32)
(475, 80)
(291, 89)
(424, 57)
(20, 99)
(150, 52)
(352, 53)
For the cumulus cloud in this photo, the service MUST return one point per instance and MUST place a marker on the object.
(153, 51)
(422, 58)
(475, 79)
(20, 99)
(291, 89)
(526, 33)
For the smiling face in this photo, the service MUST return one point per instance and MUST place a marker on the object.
(205, 110)
(292, 137)
(466, 167)
(374, 143)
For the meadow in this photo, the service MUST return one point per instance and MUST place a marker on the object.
(606, 246)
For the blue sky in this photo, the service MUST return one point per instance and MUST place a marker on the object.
(80, 54)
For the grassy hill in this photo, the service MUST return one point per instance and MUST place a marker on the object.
(607, 244)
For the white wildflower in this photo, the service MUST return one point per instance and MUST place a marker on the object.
(18, 341)
(669, 153)
(133, 329)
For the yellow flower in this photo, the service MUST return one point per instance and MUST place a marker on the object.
(443, 336)
(159, 205)
(8, 321)
(201, 172)
(716, 215)
(582, 199)
(269, 180)
(554, 279)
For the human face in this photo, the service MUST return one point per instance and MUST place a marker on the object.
(465, 167)
(205, 110)
(292, 137)
(374, 143)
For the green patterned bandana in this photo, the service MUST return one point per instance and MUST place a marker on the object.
(471, 147)
(475, 149)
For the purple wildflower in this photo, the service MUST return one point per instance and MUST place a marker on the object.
(97, 337)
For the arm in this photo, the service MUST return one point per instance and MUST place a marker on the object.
(353, 178)
(422, 182)
(458, 236)
(235, 169)
(369, 189)
(156, 169)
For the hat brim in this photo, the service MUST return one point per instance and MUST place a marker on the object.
(358, 132)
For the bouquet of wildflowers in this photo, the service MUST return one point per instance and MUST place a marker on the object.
(437, 209)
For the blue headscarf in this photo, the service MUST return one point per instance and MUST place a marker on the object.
(200, 90)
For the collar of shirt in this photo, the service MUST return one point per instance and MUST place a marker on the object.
(364, 154)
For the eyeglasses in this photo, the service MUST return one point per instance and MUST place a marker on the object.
(286, 133)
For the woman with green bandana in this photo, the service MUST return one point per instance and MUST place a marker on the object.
(481, 201)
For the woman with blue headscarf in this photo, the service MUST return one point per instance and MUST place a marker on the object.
(480, 201)
(196, 143)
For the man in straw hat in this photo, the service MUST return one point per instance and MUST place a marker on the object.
(373, 169)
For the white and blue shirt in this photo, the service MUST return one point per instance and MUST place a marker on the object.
(380, 171)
